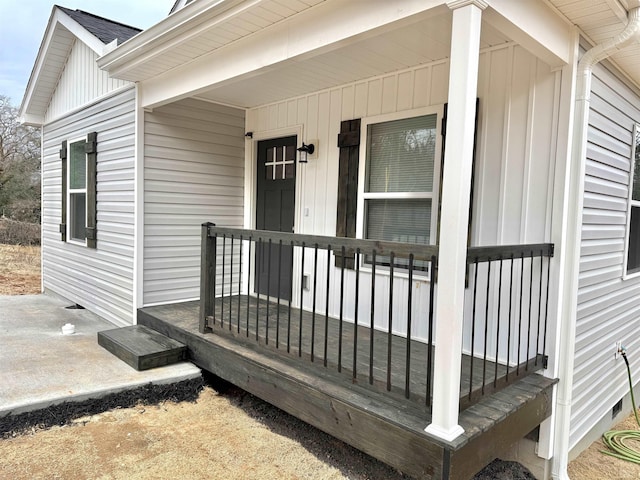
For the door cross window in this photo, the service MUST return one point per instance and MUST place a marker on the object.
(280, 164)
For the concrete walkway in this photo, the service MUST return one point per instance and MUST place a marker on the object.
(39, 366)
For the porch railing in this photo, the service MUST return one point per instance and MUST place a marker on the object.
(365, 308)
(507, 314)
(360, 321)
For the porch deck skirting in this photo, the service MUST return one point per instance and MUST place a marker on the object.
(383, 424)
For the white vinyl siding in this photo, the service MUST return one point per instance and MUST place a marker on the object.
(514, 165)
(194, 173)
(80, 83)
(102, 279)
(608, 305)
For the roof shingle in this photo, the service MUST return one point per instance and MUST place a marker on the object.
(105, 30)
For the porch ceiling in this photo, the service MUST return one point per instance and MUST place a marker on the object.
(424, 41)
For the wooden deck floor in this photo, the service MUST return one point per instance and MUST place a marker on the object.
(369, 357)
(381, 423)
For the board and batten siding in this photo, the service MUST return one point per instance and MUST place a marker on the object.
(81, 82)
(194, 173)
(515, 159)
(608, 305)
(99, 279)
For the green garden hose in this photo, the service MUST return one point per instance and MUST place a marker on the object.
(616, 440)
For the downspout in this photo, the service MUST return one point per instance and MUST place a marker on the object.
(571, 267)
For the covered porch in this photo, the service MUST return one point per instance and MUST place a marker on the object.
(356, 363)
(433, 328)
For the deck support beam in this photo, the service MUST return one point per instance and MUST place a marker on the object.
(456, 188)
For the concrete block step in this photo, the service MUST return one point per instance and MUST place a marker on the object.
(142, 347)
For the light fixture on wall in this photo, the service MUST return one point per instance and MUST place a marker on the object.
(305, 150)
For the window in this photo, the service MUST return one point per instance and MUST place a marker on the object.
(77, 191)
(401, 180)
(633, 228)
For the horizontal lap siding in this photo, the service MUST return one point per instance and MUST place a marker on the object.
(514, 169)
(608, 306)
(194, 173)
(99, 279)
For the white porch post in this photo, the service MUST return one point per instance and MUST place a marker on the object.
(456, 187)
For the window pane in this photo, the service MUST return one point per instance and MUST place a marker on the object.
(633, 259)
(636, 172)
(78, 215)
(77, 166)
(406, 221)
(401, 155)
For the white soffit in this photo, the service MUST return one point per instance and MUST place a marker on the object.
(60, 35)
(600, 20)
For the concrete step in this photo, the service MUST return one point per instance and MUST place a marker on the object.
(141, 347)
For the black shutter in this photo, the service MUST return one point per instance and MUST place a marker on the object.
(63, 213)
(90, 149)
(349, 144)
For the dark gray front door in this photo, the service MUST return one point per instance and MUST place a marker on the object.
(275, 208)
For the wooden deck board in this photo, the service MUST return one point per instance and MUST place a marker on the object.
(355, 412)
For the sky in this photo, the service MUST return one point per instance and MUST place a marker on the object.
(23, 23)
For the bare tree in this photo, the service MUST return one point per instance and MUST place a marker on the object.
(19, 166)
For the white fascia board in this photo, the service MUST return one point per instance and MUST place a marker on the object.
(31, 120)
(37, 66)
(535, 26)
(312, 32)
(177, 26)
(81, 33)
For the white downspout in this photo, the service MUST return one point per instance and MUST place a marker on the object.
(571, 267)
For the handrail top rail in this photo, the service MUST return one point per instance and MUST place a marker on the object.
(507, 252)
(335, 244)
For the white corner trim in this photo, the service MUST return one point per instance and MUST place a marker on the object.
(481, 4)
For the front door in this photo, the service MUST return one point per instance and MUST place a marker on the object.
(275, 207)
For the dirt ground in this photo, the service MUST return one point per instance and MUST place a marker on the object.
(19, 270)
(227, 434)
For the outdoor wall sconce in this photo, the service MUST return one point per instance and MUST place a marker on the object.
(305, 150)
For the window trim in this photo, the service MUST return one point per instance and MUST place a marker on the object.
(434, 195)
(630, 204)
(71, 191)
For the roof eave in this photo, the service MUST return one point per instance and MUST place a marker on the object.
(57, 16)
(172, 27)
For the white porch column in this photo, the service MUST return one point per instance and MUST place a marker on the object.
(456, 188)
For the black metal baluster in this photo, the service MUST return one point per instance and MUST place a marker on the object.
(529, 317)
(313, 303)
(372, 321)
(266, 333)
(224, 257)
(355, 320)
(539, 309)
(407, 374)
(495, 378)
(326, 306)
(259, 247)
(255, 271)
(340, 324)
(213, 277)
(301, 297)
(231, 284)
(390, 320)
(240, 281)
(289, 310)
(520, 316)
(546, 309)
(278, 302)
(473, 325)
(486, 324)
(432, 286)
(509, 322)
